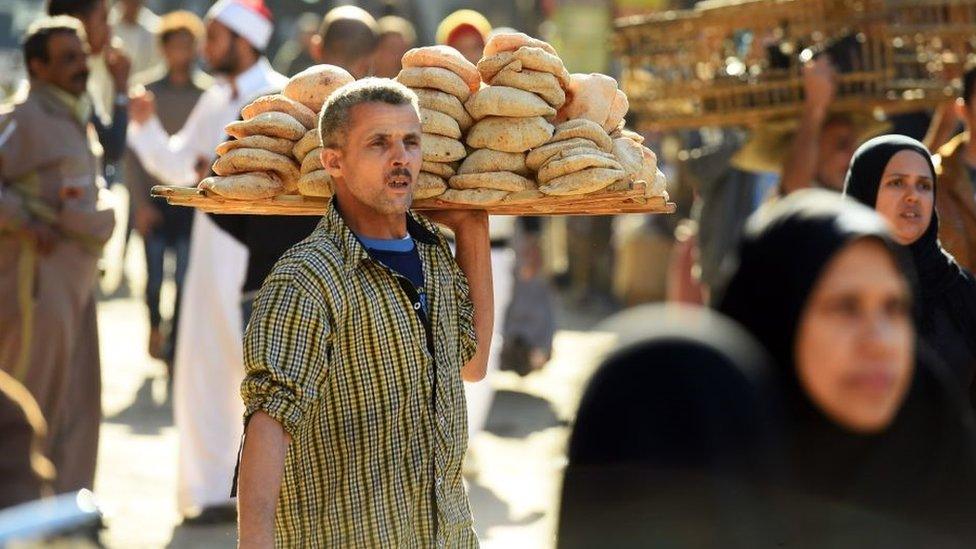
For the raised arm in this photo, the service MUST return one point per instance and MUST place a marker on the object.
(171, 159)
(800, 165)
(474, 257)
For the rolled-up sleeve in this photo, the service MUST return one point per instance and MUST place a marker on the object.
(466, 332)
(286, 350)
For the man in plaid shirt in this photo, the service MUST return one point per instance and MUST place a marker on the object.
(355, 354)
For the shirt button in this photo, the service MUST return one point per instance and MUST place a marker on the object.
(416, 306)
(442, 420)
(438, 482)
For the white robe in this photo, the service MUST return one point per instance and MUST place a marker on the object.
(208, 365)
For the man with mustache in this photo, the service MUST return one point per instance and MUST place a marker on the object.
(207, 363)
(51, 235)
(360, 338)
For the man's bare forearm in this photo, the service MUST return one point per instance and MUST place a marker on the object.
(262, 465)
(800, 166)
(474, 258)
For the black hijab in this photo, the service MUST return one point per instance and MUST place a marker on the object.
(945, 294)
(928, 454)
(672, 436)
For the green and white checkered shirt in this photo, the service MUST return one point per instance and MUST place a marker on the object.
(336, 353)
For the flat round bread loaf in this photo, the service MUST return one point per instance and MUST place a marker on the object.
(446, 103)
(507, 134)
(503, 181)
(590, 97)
(572, 164)
(540, 155)
(440, 169)
(538, 59)
(436, 78)
(247, 186)
(314, 85)
(628, 153)
(240, 161)
(280, 103)
(629, 134)
(542, 84)
(659, 187)
(511, 41)
(649, 165)
(618, 110)
(474, 197)
(438, 123)
(487, 160)
(583, 182)
(506, 101)
(523, 197)
(437, 148)
(311, 140)
(312, 161)
(445, 57)
(272, 124)
(491, 65)
(273, 144)
(586, 129)
(316, 183)
(428, 186)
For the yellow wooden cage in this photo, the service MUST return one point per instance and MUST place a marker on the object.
(738, 62)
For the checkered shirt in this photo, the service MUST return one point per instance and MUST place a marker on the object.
(336, 353)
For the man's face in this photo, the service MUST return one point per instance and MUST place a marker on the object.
(67, 65)
(837, 145)
(378, 164)
(179, 51)
(97, 28)
(388, 55)
(218, 50)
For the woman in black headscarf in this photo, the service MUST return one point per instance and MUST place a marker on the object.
(673, 437)
(894, 175)
(870, 425)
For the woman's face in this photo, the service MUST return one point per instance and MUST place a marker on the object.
(906, 196)
(855, 342)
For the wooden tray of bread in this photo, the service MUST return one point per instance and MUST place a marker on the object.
(605, 203)
(514, 134)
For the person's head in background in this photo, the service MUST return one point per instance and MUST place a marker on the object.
(818, 282)
(55, 53)
(466, 31)
(306, 27)
(130, 10)
(179, 33)
(237, 33)
(93, 14)
(346, 38)
(838, 141)
(396, 36)
(894, 175)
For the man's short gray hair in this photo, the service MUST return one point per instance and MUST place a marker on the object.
(335, 118)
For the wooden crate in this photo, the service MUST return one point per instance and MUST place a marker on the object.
(736, 62)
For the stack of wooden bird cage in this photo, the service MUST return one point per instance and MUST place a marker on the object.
(738, 62)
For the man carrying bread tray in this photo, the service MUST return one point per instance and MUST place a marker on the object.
(356, 351)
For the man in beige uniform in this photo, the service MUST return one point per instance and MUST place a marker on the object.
(51, 235)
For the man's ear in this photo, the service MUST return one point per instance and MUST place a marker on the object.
(332, 161)
(315, 48)
(36, 68)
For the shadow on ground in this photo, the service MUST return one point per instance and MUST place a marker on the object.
(146, 415)
(518, 415)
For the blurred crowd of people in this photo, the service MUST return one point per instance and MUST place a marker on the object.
(833, 387)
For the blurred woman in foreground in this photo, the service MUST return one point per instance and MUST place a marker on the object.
(872, 423)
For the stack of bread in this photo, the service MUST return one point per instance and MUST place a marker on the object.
(443, 80)
(275, 147)
(512, 115)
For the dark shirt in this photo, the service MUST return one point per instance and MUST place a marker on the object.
(401, 256)
(267, 238)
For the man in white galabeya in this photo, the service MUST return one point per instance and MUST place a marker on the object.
(208, 364)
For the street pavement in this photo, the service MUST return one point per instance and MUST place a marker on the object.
(513, 472)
